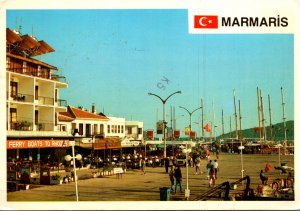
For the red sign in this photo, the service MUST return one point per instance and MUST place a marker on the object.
(150, 134)
(206, 21)
(176, 133)
(193, 134)
(25, 144)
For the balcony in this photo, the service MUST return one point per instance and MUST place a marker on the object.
(20, 97)
(58, 78)
(28, 129)
(62, 103)
(45, 100)
(22, 126)
(43, 73)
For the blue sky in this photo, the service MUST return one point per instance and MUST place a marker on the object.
(113, 58)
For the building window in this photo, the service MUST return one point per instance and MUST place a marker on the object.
(36, 117)
(36, 92)
(119, 129)
(108, 128)
(101, 129)
(13, 89)
(95, 129)
(129, 130)
(55, 96)
(112, 128)
(122, 128)
(140, 131)
(13, 118)
(81, 129)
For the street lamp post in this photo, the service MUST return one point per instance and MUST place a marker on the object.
(190, 114)
(77, 157)
(187, 191)
(164, 116)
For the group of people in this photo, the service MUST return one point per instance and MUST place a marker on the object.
(176, 176)
(212, 170)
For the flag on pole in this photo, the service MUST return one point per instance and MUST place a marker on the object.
(207, 128)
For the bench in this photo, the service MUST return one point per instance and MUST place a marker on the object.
(118, 171)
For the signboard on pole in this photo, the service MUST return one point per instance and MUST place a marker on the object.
(187, 131)
(150, 134)
(193, 134)
(176, 133)
(159, 127)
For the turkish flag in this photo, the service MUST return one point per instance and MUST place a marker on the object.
(193, 134)
(206, 21)
(207, 128)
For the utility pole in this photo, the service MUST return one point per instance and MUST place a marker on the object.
(222, 124)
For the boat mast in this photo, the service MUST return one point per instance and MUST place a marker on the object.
(214, 121)
(222, 125)
(235, 116)
(258, 109)
(284, 123)
(240, 117)
(270, 114)
(263, 118)
(202, 120)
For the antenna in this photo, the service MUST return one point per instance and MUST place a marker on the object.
(20, 26)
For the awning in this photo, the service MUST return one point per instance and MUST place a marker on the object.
(107, 143)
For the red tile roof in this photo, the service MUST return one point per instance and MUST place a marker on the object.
(80, 114)
(64, 117)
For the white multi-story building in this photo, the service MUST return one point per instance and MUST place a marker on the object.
(32, 99)
(134, 130)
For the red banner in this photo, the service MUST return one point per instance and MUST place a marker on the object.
(150, 134)
(193, 134)
(176, 133)
(25, 144)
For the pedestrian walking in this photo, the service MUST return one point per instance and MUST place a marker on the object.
(208, 167)
(167, 162)
(212, 177)
(142, 165)
(216, 167)
(172, 177)
(194, 156)
(197, 164)
(178, 177)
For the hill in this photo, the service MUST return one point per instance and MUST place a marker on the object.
(277, 131)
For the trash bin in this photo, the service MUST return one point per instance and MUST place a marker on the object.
(165, 193)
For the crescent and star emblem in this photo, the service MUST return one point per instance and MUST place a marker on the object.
(201, 21)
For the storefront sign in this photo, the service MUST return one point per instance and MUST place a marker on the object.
(25, 144)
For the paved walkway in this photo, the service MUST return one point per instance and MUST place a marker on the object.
(137, 187)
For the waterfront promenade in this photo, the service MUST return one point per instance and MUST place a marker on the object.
(134, 186)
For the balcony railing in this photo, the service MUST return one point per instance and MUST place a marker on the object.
(58, 78)
(46, 100)
(21, 97)
(40, 73)
(21, 125)
(62, 103)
